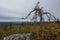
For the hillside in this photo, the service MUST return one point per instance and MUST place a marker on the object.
(47, 28)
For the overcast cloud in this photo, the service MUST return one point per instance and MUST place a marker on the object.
(20, 8)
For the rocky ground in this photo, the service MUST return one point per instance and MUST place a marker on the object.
(18, 37)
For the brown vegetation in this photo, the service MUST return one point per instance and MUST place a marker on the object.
(48, 32)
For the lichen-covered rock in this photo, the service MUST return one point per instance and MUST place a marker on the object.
(18, 37)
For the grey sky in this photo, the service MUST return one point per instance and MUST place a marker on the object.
(20, 8)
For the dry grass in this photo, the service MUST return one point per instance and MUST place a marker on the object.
(47, 32)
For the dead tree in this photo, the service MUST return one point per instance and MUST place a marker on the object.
(39, 13)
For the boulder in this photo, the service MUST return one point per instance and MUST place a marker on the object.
(18, 37)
